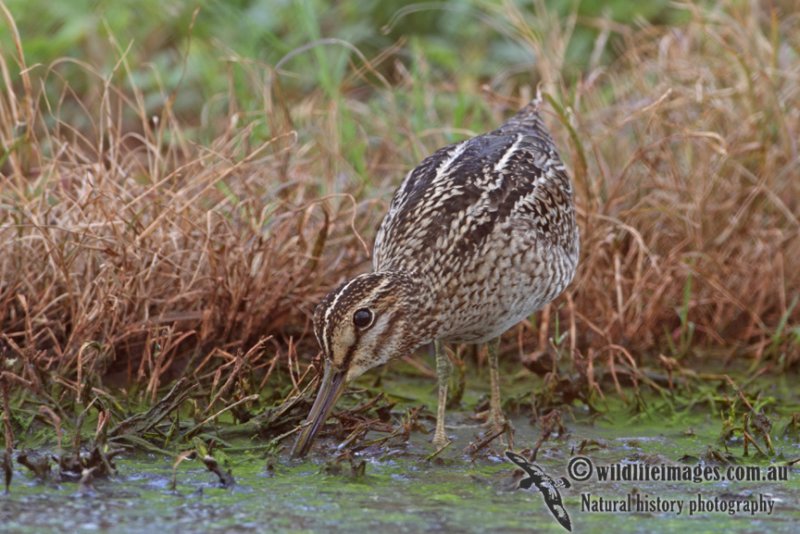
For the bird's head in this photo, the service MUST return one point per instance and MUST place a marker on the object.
(362, 324)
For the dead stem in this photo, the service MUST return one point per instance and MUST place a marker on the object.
(7, 434)
(438, 451)
(474, 448)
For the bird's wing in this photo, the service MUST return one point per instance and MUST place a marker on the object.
(453, 200)
(518, 459)
(560, 514)
(552, 498)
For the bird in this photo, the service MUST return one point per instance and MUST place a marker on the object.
(477, 237)
(546, 485)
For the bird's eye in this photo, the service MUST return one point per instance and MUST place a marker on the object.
(362, 318)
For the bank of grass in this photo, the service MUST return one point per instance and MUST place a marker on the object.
(144, 248)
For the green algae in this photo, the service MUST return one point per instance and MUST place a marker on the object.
(400, 491)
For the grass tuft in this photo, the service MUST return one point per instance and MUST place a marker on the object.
(141, 247)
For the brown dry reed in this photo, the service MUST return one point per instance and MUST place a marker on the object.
(133, 253)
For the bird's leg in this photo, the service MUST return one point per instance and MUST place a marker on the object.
(496, 419)
(443, 374)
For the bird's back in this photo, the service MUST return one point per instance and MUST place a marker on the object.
(487, 225)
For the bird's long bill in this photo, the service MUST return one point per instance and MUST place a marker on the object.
(332, 386)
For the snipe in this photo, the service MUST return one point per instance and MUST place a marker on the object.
(479, 236)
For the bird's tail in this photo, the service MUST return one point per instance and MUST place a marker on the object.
(528, 120)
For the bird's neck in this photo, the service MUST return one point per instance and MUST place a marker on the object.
(420, 303)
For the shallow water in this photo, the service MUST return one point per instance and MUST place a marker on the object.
(401, 491)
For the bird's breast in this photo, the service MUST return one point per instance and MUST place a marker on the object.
(480, 300)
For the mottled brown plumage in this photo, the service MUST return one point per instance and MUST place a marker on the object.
(478, 236)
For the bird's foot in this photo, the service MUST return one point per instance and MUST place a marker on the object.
(490, 420)
(440, 440)
(482, 417)
(494, 436)
(496, 421)
(499, 425)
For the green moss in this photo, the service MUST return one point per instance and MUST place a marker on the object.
(400, 490)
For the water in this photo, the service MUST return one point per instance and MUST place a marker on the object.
(403, 492)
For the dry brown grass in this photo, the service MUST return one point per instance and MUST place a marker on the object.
(131, 254)
(691, 192)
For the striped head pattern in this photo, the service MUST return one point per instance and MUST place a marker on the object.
(361, 324)
(368, 321)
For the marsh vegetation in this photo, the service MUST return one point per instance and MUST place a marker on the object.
(181, 184)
